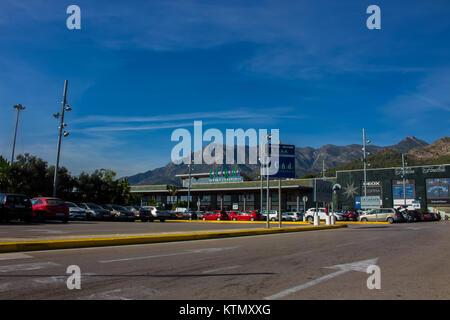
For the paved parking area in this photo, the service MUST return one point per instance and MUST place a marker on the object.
(413, 259)
(16, 231)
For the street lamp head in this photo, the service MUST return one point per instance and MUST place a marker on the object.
(19, 107)
(66, 133)
(68, 108)
(56, 115)
(368, 141)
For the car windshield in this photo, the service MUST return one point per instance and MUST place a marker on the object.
(71, 205)
(118, 207)
(55, 201)
(94, 206)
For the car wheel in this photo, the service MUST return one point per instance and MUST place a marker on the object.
(234, 219)
(203, 218)
(65, 220)
(390, 220)
(310, 219)
(218, 219)
(252, 219)
(364, 220)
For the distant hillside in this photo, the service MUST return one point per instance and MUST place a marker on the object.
(433, 154)
(308, 160)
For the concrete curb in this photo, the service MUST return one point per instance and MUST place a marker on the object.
(283, 222)
(116, 241)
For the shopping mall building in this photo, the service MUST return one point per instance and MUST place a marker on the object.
(427, 186)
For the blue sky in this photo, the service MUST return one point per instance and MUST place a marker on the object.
(138, 70)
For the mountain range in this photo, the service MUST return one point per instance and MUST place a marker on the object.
(309, 160)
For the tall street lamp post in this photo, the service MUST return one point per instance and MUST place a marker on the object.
(19, 108)
(62, 132)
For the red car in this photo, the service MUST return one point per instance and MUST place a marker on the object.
(215, 215)
(45, 208)
(248, 215)
(350, 215)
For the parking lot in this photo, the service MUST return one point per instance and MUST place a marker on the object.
(307, 265)
(17, 231)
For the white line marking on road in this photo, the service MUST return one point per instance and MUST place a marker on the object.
(360, 266)
(193, 251)
(27, 266)
(48, 231)
(221, 269)
(13, 256)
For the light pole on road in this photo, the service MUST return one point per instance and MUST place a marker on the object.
(19, 108)
(61, 133)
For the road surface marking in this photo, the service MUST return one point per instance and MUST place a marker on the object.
(27, 266)
(48, 231)
(14, 256)
(221, 269)
(360, 266)
(193, 251)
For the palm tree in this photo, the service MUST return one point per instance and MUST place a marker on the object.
(173, 191)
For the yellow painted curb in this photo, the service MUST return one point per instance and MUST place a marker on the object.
(283, 222)
(231, 221)
(115, 241)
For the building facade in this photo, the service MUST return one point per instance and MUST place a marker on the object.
(427, 186)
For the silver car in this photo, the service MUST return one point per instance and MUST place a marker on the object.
(76, 213)
(383, 214)
(293, 216)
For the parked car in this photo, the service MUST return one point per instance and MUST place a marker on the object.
(119, 213)
(437, 216)
(143, 214)
(133, 209)
(187, 215)
(273, 215)
(15, 206)
(383, 214)
(157, 213)
(293, 216)
(75, 212)
(248, 215)
(215, 215)
(309, 215)
(96, 212)
(350, 215)
(428, 216)
(46, 208)
(232, 214)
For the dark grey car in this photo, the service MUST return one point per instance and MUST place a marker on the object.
(15, 206)
(96, 212)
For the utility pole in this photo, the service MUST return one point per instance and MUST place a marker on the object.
(267, 175)
(19, 108)
(189, 186)
(61, 133)
(404, 182)
(279, 203)
(365, 176)
(261, 200)
(323, 177)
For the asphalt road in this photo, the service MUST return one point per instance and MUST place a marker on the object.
(53, 229)
(329, 264)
